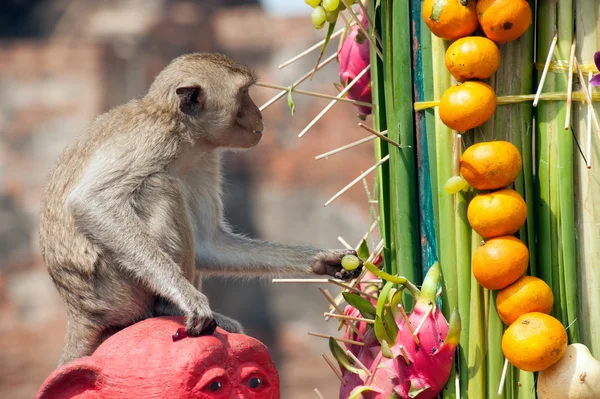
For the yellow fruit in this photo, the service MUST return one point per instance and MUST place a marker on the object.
(527, 294)
(535, 341)
(498, 213)
(450, 19)
(472, 57)
(504, 20)
(467, 105)
(500, 262)
(490, 165)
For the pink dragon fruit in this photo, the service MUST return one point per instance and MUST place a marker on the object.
(401, 367)
(354, 58)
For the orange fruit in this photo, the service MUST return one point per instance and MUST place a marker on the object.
(500, 262)
(504, 20)
(450, 19)
(467, 105)
(498, 213)
(527, 294)
(472, 57)
(535, 341)
(490, 165)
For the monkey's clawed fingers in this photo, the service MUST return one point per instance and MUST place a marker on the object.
(330, 263)
(199, 319)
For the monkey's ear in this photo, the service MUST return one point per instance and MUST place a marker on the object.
(191, 99)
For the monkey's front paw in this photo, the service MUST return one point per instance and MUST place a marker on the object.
(330, 263)
(199, 318)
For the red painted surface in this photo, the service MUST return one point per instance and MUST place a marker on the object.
(142, 361)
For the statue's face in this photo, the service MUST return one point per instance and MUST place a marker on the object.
(142, 361)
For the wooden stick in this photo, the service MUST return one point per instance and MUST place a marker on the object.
(416, 332)
(458, 153)
(335, 370)
(380, 135)
(344, 340)
(364, 10)
(588, 150)
(503, 377)
(346, 317)
(359, 178)
(310, 49)
(314, 280)
(358, 363)
(319, 394)
(404, 355)
(297, 82)
(545, 72)
(332, 103)
(409, 324)
(344, 242)
(588, 98)
(373, 225)
(364, 31)
(329, 298)
(314, 94)
(350, 288)
(570, 86)
(345, 147)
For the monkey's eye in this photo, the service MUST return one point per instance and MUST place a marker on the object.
(215, 386)
(255, 383)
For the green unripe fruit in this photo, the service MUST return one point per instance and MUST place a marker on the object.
(313, 3)
(455, 184)
(350, 262)
(331, 5)
(331, 16)
(318, 17)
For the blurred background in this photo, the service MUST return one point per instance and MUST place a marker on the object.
(62, 62)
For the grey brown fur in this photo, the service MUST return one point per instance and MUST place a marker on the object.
(133, 213)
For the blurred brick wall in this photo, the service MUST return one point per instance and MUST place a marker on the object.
(51, 89)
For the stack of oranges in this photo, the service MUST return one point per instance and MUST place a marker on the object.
(473, 102)
(534, 340)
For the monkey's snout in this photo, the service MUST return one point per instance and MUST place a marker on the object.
(259, 127)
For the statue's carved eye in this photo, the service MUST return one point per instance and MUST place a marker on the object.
(215, 386)
(255, 383)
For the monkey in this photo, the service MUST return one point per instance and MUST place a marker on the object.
(132, 215)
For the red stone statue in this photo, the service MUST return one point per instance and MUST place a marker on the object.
(144, 361)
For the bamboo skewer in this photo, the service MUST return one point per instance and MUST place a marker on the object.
(416, 332)
(337, 98)
(404, 355)
(366, 12)
(297, 82)
(409, 324)
(353, 289)
(315, 94)
(380, 135)
(344, 340)
(346, 317)
(364, 31)
(314, 280)
(358, 363)
(588, 149)
(310, 49)
(545, 72)
(345, 147)
(329, 298)
(319, 394)
(359, 178)
(344, 242)
(335, 370)
(587, 98)
(570, 86)
(503, 378)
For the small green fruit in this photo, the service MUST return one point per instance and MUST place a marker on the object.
(313, 3)
(331, 5)
(455, 184)
(319, 17)
(350, 262)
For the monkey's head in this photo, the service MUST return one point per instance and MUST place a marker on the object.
(209, 93)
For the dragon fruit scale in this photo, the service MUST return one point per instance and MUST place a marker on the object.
(409, 366)
(354, 58)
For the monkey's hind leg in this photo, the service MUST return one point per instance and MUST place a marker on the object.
(81, 340)
(164, 308)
